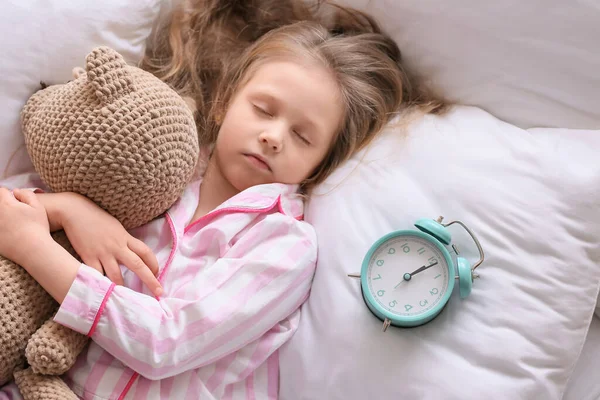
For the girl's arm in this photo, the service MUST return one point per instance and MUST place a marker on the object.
(264, 277)
(97, 237)
(52, 203)
(247, 294)
(25, 239)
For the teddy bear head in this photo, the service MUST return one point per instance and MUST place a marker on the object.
(115, 134)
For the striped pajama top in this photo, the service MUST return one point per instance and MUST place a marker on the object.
(233, 284)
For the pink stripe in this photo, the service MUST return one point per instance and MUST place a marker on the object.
(198, 259)
(165, 345)
(144, 385)
(218, 279)
(135, 300)
(168, 344)
(228, 393)
(101, 310)
(193, 389)
(256, 237)
(261, 353)
(124, 392)
(250, 387)
(142, 388)
(226, 272)
(89, 278)
(148, 370)
(125, 381)
(166, 385)
(98, 370)
(221, 368)
(264, 349)
(273, 375)
(79, 309)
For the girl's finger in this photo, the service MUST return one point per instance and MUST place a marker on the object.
(112, 270)
(133, 262)
(27, 197)
(144, 252)
(94, 264)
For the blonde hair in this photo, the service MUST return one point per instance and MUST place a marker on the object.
(212, 47)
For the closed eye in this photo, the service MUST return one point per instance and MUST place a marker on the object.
(261, 111)
(303, 138)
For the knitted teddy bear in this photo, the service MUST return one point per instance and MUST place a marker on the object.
(127, 141)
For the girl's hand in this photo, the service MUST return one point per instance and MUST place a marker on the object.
(23, 224)
(102, 242)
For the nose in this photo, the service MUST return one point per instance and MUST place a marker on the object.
(273, 138)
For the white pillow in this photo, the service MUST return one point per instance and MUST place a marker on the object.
(531, 63)
(43, 40)
(532, 199)
(584, 384)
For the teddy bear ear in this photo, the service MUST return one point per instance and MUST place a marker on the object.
(107, 73)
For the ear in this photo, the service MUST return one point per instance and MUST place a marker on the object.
(108, 75)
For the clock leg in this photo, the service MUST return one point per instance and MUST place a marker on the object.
(386, 324)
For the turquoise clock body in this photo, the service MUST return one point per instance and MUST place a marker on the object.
(408, 276)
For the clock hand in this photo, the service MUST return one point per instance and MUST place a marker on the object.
(407, 277)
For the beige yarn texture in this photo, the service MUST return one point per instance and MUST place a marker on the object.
(42, 387)
(121, 137)
(20, 321)
(128, 142)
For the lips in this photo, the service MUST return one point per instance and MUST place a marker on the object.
(258, 161)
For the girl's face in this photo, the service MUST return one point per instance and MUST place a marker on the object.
(279, 125)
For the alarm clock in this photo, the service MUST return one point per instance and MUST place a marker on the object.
(408, 276)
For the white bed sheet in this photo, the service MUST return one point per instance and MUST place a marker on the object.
(585, 383)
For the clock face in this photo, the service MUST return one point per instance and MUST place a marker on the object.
(408, 276)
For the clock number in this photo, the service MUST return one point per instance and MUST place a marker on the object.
(434, 291)
(393, 303)
(423, 303)
(380, 262)
(392, 250)
(405, 248)
(432, 260)
(421, 250)
(378, 277)
(380, 292)
(407, 307)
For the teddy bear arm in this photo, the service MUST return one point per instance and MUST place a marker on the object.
(53, 348)
(24, 306)
(42, 387)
